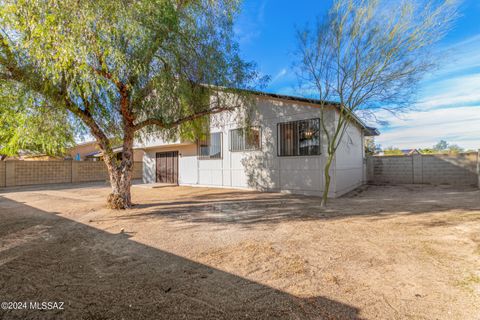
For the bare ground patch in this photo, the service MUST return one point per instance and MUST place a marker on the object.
(382, 252)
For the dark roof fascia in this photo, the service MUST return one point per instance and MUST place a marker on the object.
(369, 131)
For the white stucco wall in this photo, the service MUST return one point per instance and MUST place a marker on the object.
(349, 161)
(187, 163)
(263, 169)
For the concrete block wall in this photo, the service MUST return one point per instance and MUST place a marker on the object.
(2, 173)
(391, 169)
(455, 170)
(39, 172)
(137, 170)
(89, 171)
(424, 169)
(24, 173)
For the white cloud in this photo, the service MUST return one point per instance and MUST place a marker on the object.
(448, 108)
(248, 27)
(279, 75)
(459, 90)
(420, 129)
(459, 56)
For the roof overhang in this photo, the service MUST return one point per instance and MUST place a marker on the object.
(368, 131)
(163, 146)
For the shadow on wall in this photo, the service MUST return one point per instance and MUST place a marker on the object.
(457, 169)
(259, 166)
(465, 160)
(265, 171)
(100, 275)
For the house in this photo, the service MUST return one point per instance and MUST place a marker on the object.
(89, 151)
(81, 151)
(98, 156)
(27, 155)
(410, 152)
(284, 150)
(40, 157)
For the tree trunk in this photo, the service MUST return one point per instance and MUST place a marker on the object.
(120, 181)
(327, 180)
(120, 173)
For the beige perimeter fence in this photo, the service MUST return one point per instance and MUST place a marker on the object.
(24, 173)
(461, 169)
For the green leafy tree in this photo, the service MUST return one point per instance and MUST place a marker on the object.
(368, 55)
(28, 123)
(427, 151)
(455, 149)
(442, 145)
(391, 151)
(370, 146)
(124, 68)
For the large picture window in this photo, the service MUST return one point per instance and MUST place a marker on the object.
(211, 148)
(245, 139)
(299, 138)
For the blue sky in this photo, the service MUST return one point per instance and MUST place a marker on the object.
(448, 105)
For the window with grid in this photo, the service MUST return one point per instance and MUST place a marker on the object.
(299, 138)
(245, 139)
(211, 148)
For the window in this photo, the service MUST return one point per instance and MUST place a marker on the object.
(245, 139)
(211, 148)
(299, 138)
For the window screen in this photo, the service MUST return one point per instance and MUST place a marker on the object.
(245, 139)
(211, 148)
(299, 138)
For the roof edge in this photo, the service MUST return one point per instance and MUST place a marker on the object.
(369, 131)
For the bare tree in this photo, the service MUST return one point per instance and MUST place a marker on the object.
(369, 55)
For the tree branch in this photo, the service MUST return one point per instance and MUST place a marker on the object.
(165, 125)
(57, 96)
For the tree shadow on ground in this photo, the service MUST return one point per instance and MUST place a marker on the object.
(249, 208)
(63, 186)
(55, 186)
(100, 275)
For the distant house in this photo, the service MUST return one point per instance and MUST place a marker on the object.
(27, 155)
(81, 151)
(40, 157)
(89, 151)
(34, 156)
(85, 151)
(284, 150)
(409, 152)
(98, 155)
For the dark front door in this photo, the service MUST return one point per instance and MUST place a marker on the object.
(167, 167)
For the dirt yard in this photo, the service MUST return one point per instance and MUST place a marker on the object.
(405, 252)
